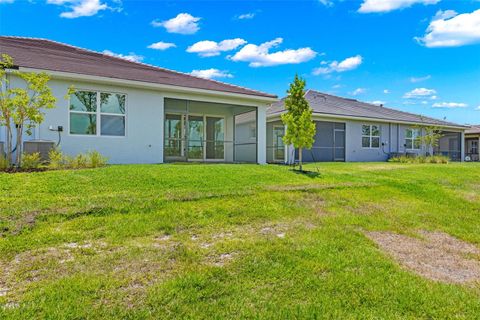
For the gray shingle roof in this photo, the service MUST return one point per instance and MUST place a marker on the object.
(54, 56)
(327, 104)
(475, 129)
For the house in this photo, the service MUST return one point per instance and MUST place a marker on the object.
(472, 143)
(350, 130)
(137, 113)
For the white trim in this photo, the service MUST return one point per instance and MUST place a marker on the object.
(146, 85)
(319, 116)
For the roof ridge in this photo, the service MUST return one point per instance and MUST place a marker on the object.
(137, 62)
(383, 107)
(387, 115)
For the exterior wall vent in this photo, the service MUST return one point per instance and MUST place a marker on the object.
(41, 146)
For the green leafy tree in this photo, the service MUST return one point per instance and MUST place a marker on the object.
(298, 118)
(430, 138)
(22, 108)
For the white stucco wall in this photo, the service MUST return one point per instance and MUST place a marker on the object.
(143, 142)
(144, 125)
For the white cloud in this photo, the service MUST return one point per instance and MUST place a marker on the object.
(209, 48)
(6, 1)
(442, 15)
(246, 16)
(80, 8)
(477, 108)
(211, 73)
(449, 105)
(327, 3)
(386, 91)
(130, 57)
(161, 45)
(342, 66)
(449, 29)
(418, 93)
(183, 23)
(260, 56)
(358, 91)
(378, 102)
(419, 79)
(369, 6)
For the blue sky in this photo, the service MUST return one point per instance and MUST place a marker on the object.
(420, 56)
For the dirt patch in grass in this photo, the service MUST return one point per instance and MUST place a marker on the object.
(437, 256)
(471, 193)
(16, 225)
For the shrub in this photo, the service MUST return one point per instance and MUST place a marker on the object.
(31, 161)
(56, 159)
(91, 159)
(420, 159)
(4, 163)
(96, 160)
(80, 161)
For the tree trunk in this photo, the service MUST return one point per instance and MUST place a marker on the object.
(18, 161)
(8, 151)
(300, 158)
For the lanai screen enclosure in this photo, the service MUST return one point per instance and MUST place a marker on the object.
(210, 132)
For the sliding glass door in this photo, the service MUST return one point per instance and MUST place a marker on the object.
(278, 145)
(194, 137)
(215, 132)
(174, 134)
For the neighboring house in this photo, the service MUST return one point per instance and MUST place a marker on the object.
(137, 113)
(472, 143)
(350, 130)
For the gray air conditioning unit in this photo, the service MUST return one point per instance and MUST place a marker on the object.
(41, 146)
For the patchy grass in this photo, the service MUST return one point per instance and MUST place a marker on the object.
(241, 241)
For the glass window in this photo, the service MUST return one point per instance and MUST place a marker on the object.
(83, 123)
(412, 139)
(83, 101)
(112, 103)
(370, 136)
(83, 108)
(84, 114)
(112, 125)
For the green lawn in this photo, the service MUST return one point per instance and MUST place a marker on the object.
(230, 241)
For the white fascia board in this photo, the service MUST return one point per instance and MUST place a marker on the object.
(147, 85)
(317, 116)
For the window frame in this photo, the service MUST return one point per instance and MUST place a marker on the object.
(98, 115)
(414, 138)
(371, 136)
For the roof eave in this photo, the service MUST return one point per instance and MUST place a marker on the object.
(276, 116)
(149, 85)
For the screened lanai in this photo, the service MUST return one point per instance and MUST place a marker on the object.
(450, 145)
(209, 132)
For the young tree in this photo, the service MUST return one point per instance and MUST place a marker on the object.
(430, 138)
(22, 108)
(6, 106)
(298, 118)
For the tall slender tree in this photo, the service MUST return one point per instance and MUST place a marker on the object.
(298, 119)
